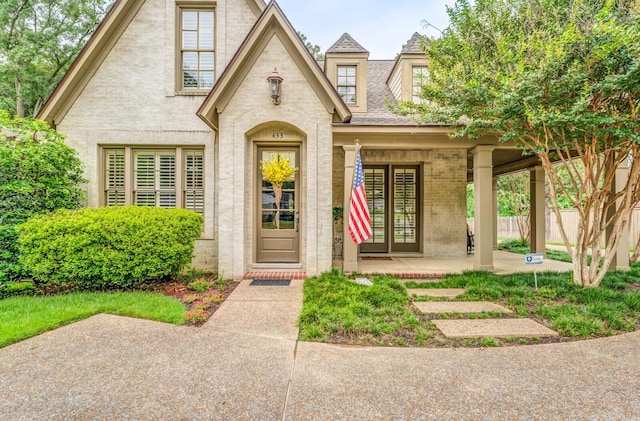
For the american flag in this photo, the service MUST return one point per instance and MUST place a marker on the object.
(359, 219)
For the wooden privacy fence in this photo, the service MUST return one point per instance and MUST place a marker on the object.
(508, 226)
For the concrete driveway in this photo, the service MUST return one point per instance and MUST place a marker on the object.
(246, 364)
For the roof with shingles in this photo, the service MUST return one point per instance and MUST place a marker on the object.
(414, 45)
(346, 44)
(379, 98)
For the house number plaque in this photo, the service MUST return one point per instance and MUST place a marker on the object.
(278, 135)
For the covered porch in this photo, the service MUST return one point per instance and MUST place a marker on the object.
(427, 267)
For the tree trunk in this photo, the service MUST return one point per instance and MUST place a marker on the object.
(636, 252)
(19, 99)
(37, 107)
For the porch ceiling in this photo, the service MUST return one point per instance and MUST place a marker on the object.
(505, 161)
(506, 157)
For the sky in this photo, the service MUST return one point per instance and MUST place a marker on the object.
(380, 26)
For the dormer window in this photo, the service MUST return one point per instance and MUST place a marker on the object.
(347, 84)
(419, 79)
(197, 53)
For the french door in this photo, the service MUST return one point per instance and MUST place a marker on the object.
(393, 193)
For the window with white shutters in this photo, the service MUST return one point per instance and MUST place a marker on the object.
(194, 181)
(114, 177)
(155, 179)
(166, 178)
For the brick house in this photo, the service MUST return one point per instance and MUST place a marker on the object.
(169, 105)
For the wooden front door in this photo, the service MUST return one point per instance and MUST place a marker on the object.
(278, 226)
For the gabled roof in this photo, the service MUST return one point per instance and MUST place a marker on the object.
(271, 23)
(414, 45)
(380, 99)
(94, 53)
(346, 44)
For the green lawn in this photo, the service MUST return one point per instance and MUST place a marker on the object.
(340, 311)
(25, 316)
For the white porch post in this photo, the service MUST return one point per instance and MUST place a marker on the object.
(494, 187)
(621, 257)
(537, 222)
(483, 207)
(349, 248)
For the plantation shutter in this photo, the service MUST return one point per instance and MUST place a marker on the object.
(114, 177)
(167, 179)
(155, 179)
(194, 181)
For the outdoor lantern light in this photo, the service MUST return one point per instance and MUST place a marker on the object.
(275, 82)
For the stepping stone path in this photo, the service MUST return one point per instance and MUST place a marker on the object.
(436, 292)
(496, 328)
(434, 307)
(476, 328)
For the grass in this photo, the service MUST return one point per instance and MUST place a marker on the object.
(336, 309)
(573, 311)
(522, 247)
(22, 317)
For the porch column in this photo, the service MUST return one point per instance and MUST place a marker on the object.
(494, 187)
(483, 207)
(537, 221)
(621, 257)
(349, 248)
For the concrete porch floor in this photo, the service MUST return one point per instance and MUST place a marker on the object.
(503, 262)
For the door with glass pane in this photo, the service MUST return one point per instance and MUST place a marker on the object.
(375, 185)
(393, 196)
(278, 213)
(405, 229)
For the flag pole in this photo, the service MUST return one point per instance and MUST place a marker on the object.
(355, 158)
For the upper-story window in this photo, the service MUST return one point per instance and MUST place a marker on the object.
(197, 49)
(347, 83)
(420, 77)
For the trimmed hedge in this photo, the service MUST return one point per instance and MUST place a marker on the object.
(106, 248)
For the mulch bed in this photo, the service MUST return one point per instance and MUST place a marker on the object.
(192, 299)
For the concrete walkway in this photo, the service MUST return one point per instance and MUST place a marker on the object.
(246, 364)
(504, 263)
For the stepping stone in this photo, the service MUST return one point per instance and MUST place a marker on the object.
(435, 307)
(436, 292)
(496, 328)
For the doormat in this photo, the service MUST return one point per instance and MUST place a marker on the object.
(376, 258)
(271, 282)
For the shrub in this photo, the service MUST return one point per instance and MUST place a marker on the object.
(15, 288)
(38, 174)
(105, 248)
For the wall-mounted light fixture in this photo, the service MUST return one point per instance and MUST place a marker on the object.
(275, 83)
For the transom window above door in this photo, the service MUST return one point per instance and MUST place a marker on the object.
(197, 49)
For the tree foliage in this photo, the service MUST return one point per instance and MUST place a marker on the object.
(38, 174)
(39, 39)
(561, 79)
(314, 49)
